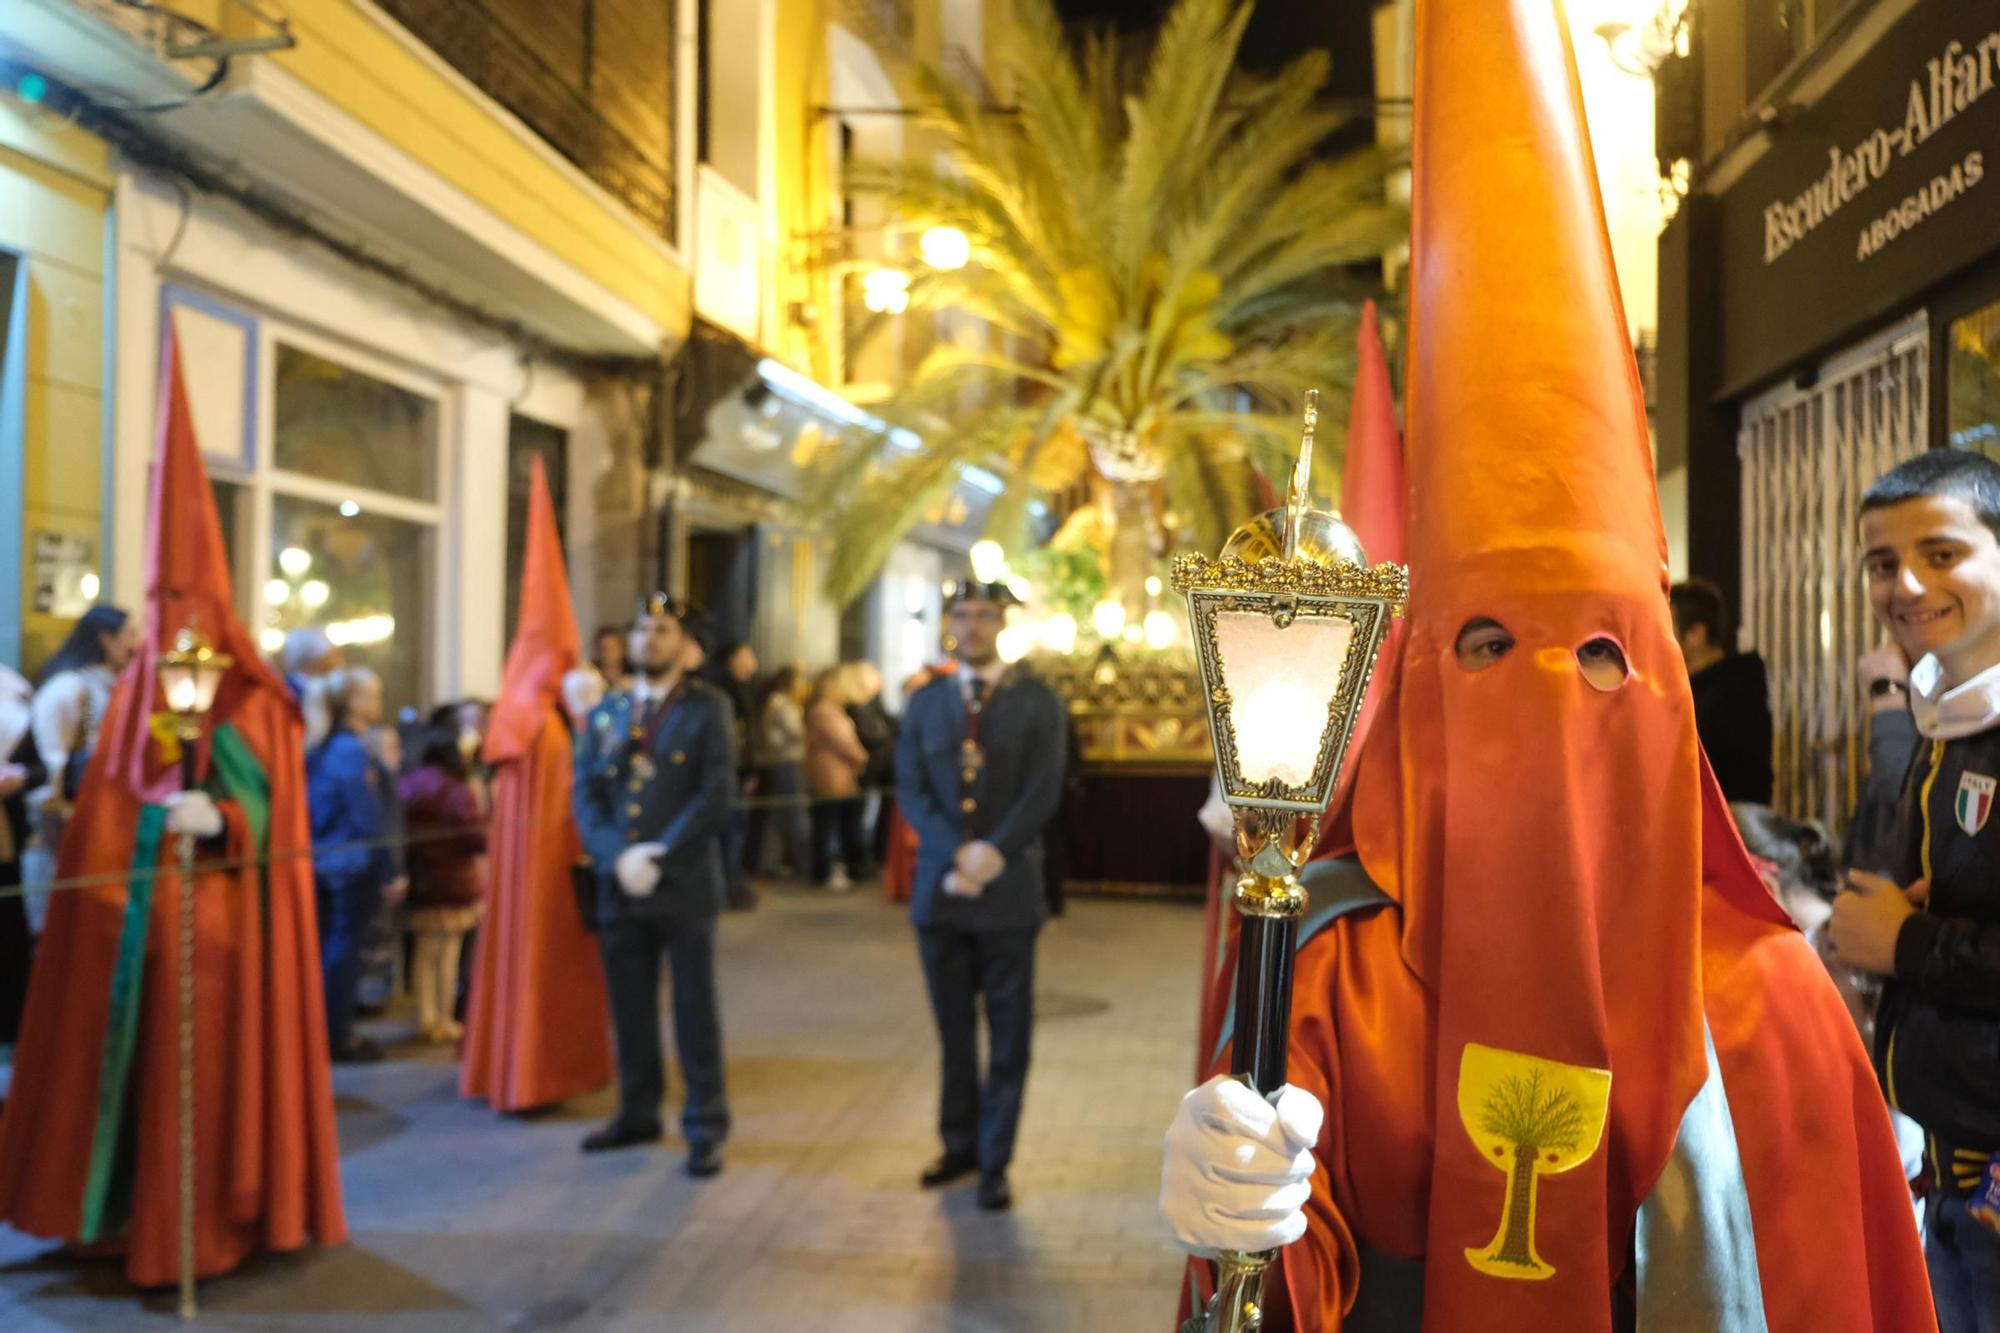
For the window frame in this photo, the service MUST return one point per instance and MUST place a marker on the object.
(262, 480)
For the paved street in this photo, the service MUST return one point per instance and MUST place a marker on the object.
(464, 1220)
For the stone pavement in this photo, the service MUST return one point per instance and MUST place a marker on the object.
(464, 1220)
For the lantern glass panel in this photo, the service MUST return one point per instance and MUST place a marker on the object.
(1281, 684)
(207, 678)
(180, 684)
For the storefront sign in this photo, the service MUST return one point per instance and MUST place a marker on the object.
(1877, 192)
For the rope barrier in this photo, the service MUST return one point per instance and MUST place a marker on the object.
(232, 863)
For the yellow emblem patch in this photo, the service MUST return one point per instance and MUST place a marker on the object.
(1529, 1118)
(166, 733)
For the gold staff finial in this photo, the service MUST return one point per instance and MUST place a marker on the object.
(1299, 502)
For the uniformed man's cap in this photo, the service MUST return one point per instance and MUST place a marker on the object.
(663, 604)
(978, 590)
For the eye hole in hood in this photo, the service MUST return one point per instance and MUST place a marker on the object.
(1482, 641)
(1602, 662)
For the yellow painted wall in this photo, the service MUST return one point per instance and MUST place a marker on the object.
(55, 184)
(345, 54)
(799, 79)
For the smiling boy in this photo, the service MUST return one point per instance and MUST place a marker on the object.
(1931, 557)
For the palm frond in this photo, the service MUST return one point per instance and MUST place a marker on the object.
(1153, 242)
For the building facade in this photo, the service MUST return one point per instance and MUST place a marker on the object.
(405, 247)
(1830, 303)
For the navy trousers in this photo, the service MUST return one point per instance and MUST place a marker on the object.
(979, 1115)
(632, 947)
(1964, 1259)
(346, 914)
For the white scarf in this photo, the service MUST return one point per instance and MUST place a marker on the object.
(1945, 713)
(16, 715)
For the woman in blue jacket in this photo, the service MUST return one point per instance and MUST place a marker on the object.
(352, 865)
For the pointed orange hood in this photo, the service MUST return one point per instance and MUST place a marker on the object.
(546, 643)
(1543, 835)
(187, 583)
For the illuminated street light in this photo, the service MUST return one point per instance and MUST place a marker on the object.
(886, 291)
(294, 561)
(314, 593)
(277, 592)
(946, 248)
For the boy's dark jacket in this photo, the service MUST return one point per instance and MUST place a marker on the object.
(1937, 1033)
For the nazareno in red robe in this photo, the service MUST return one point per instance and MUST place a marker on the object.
(1509, 1048)
(89, 1147)
(537, 1026)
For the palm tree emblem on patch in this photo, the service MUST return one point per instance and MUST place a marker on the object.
(1529, 1118)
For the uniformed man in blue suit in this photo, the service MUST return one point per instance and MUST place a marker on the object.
(979, 772)
(655, 775)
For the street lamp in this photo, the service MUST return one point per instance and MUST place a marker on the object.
(189, 673)
(945, 248)
(1286, 625)
(886, 291)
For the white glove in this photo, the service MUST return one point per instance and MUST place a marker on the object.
(193, 812)
(1238, 1170)
(979, 862)
(638, 869)
(1217, 819)
(958, 886)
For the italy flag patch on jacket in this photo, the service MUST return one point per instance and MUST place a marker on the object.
(1975, 801)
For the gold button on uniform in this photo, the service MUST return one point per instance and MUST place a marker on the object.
(968, 805)
(633, 809)
(680, 757)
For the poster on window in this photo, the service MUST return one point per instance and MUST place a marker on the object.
(65, 574)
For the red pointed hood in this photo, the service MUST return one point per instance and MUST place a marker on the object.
(187, 584)
(1544, 836)
(546, 644)
(1373, 497)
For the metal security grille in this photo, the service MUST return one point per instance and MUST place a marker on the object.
(1807, 455)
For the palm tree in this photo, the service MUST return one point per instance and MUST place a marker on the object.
(1535, 1118)
(1162, 270)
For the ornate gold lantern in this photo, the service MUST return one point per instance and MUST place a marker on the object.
(1287, 622)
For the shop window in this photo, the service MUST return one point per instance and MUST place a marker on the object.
(527, 440)
(1972, 400)
(340, 425)
(366, 577)
(327, 478)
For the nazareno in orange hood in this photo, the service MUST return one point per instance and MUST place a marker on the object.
(1544, 837)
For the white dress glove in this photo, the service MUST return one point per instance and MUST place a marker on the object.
(958, 886)
(193, 812)
(979, 862)
(1238, 1170)
(638, 869)
(1217, 819)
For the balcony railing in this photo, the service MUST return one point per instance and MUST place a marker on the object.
(594, 114)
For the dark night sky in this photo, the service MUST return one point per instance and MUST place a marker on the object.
(1279, 30)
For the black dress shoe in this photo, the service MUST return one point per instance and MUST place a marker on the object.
(995, 1194)
(704, 1160)
(359, 1051)
(948, 1168)
(619, 1135)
